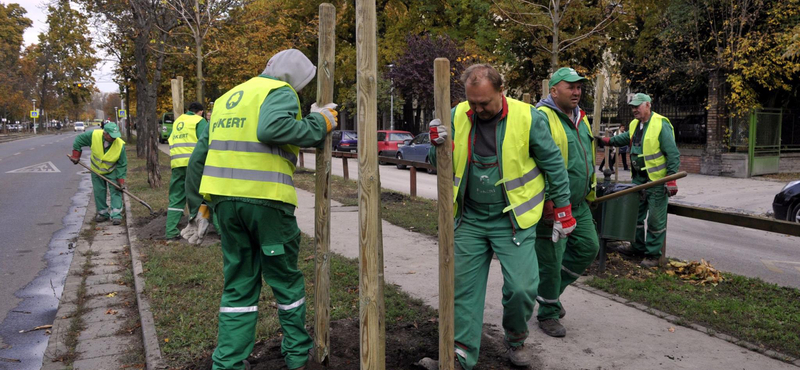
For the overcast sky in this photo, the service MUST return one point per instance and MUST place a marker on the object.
(103, 74)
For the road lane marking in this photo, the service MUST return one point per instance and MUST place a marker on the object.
(17, 153)
(46, 167)
(31, 148)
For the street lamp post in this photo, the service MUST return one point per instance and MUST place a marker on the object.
(116, 114)
(34, 118)
(391, 101)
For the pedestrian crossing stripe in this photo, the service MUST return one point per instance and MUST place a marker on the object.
(46, 167)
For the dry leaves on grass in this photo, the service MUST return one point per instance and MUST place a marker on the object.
(695, 272)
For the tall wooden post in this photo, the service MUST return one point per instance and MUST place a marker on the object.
(444, 168)
(545, 87)
(526, 97)
(322, 214)
(177, 97)
(370, 264)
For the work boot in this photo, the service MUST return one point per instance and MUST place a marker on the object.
(562, 313)
(553, 328)
(626, 249)
(649, 262)
(518, 356)
(117, 221)
(100, 218)
(428, 363)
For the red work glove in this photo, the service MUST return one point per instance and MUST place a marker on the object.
(121, 183)
(672, 187)
(603, 141)
(564, 223)
(76, 156)
(548, 213)
(437, 132)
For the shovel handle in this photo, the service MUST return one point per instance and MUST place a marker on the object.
(115, 185)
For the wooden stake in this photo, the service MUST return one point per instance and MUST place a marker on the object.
(371, 312)
(545, 87)
(526, 97)
(444, 168)
(322, 215)
(177, 97)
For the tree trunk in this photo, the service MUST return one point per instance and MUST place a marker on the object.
(146, 107)
(198, 45)
(554, 46)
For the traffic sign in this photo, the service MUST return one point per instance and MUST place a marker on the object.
(121, 113)
(34, 114)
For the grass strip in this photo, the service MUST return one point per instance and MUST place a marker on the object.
(749, 309)
(184, 283)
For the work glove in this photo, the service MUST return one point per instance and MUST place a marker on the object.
(76, 156)
(548, 213)
(438, 133)
(564, 223)
(121, 183)
(672, 187)
(198, 226)
(329, 112)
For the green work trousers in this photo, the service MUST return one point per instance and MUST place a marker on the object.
(259, 241)
(101, 187)
(563, 262)
(652, 208)
(177, 200)
(485, 230)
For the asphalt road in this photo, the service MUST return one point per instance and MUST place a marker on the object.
(772, 257)
(43, 199)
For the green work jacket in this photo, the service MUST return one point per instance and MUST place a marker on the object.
(120, 172)
(277, 125)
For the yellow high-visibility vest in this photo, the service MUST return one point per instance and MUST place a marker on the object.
(522, 180)
(560, 137)
(239, 165)
(654, 161)
(183, 139)
(105, 163)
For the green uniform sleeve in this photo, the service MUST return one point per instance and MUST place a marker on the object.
(121, 172)
(432, 149)
(194, 171)
(82, 140)
(622, 139)
(548, 158)
(201, 126)
(669, 148)
(278, 124)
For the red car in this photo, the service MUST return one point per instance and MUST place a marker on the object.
(388, 140)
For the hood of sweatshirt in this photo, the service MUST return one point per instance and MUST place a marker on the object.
(293, 67)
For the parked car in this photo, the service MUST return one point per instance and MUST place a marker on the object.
(786, 205)
(388, 140)
(344, 141)
(165, 125)
(415, 150)
(79, 126)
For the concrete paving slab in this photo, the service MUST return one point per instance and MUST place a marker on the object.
(93, 290)
(106, 329)
(98, 363)
(102, 347)
(102, 301)
(100, 269)
(603, 333)
(102, 315)
(103, 279)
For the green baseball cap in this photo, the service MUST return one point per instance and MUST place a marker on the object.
(112, 130)
(640, 98)
(565, 74)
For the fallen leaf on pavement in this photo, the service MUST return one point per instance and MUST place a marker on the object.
(111, 312)
(111, 295)
(671, 329)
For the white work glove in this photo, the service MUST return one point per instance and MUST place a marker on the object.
(198, 226)
(563, 223)
(329, 112)
(437, 132)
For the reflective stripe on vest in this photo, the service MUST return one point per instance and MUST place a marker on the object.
(183, 139)
(105, 163)
(238, 164)
(522, 180)
(654, 161)
(560, 137)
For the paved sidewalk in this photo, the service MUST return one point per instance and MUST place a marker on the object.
(603, 333)
(107, 304)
